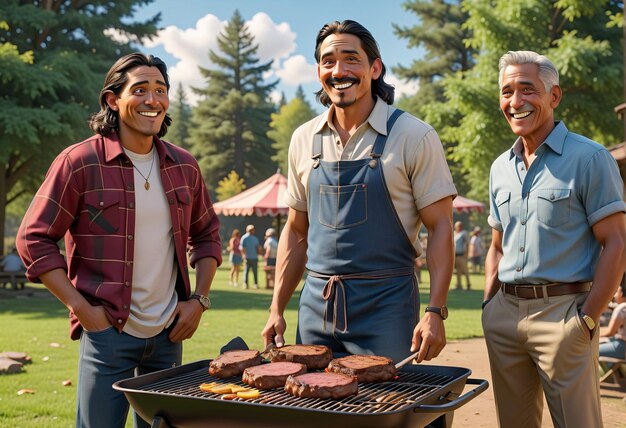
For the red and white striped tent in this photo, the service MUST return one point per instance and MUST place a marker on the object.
(264, 199)
(466, 205)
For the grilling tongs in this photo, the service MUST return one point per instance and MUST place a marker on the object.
(407, 360)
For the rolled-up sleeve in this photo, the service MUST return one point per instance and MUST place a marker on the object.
(46, 221)
(204, 238)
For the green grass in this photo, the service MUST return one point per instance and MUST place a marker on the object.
(31, 323)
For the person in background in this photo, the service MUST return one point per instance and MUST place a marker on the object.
(271, 248)
(12, 262)
(613, 339)
(475, 252)
(133, 210)
(251, 250)
(363, 178)
(557, 255)
(234, 257)
(461, 248)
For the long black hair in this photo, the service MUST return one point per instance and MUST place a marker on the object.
(369, 45)
(107, 120)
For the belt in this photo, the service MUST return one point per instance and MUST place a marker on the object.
(529, 291)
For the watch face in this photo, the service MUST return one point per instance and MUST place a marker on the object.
(444, 312)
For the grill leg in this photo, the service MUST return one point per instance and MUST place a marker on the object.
(159, 422)
(443, 421)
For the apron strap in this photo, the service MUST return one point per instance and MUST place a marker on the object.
(316, 154)
(379, 144)
(335, 290)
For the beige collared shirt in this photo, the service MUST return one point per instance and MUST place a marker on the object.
(413, 162)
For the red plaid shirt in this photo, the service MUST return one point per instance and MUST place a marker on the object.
(88, 196)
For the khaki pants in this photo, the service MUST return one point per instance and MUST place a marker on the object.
(542, 343)
(460, 266)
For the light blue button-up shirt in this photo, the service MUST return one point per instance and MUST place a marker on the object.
(545, 214)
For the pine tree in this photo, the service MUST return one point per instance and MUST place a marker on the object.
(54, 56)
(441, 34)
(231, 121)
(288, 118)
(577, 35)
(180, 111)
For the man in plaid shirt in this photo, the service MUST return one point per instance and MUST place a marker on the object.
(130, 207)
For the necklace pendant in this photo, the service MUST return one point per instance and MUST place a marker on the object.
(146, 185)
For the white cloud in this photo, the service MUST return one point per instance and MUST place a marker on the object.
(275, 41)
(296, 71)
(191, 47)
(403, 87)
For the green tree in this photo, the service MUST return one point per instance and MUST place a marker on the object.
(574, 34)
(180, 110)
(229, 186)
(288, 118)
(54, 56)
(231, 121)
(441, 34)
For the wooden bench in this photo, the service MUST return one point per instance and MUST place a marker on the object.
(16, 279)
(614, 371)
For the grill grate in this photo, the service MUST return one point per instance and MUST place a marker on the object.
(409, 389)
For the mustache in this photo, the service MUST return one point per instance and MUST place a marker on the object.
(334, 81)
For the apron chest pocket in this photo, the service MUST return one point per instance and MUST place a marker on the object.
(343, 206)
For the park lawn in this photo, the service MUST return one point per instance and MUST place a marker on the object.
(38, 325)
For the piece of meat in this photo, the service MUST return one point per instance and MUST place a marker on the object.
(233, 363)
(322, 385)
(314, 357)
(367, 368)
(272, 375)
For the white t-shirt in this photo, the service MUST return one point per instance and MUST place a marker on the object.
(153, 298)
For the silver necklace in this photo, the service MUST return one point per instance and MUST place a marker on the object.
(146, 185)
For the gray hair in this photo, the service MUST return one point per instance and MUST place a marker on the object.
(548, 73)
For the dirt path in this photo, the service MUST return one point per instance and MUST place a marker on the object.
(480, 412)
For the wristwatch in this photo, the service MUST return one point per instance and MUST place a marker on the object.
(589, 322)
(442, 311)
(204, 301)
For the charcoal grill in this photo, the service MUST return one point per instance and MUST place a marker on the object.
(420, 396)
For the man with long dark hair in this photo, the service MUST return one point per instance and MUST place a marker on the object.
(129, 205)
(363, 178)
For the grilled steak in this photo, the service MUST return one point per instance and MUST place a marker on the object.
(312, 356)
(272, 375)
(367, 368)
(233, 363)
(322, 385)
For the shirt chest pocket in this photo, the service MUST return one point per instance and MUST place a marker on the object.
(553, 206)
(102, 213)
(341, 207)
(183, 199)
(503, 203)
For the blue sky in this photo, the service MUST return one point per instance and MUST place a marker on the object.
(285, 31)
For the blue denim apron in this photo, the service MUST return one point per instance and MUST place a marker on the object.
(361, 294)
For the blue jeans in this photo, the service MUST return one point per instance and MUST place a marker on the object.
(251, 265)
(108, 356)
(615, 348)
